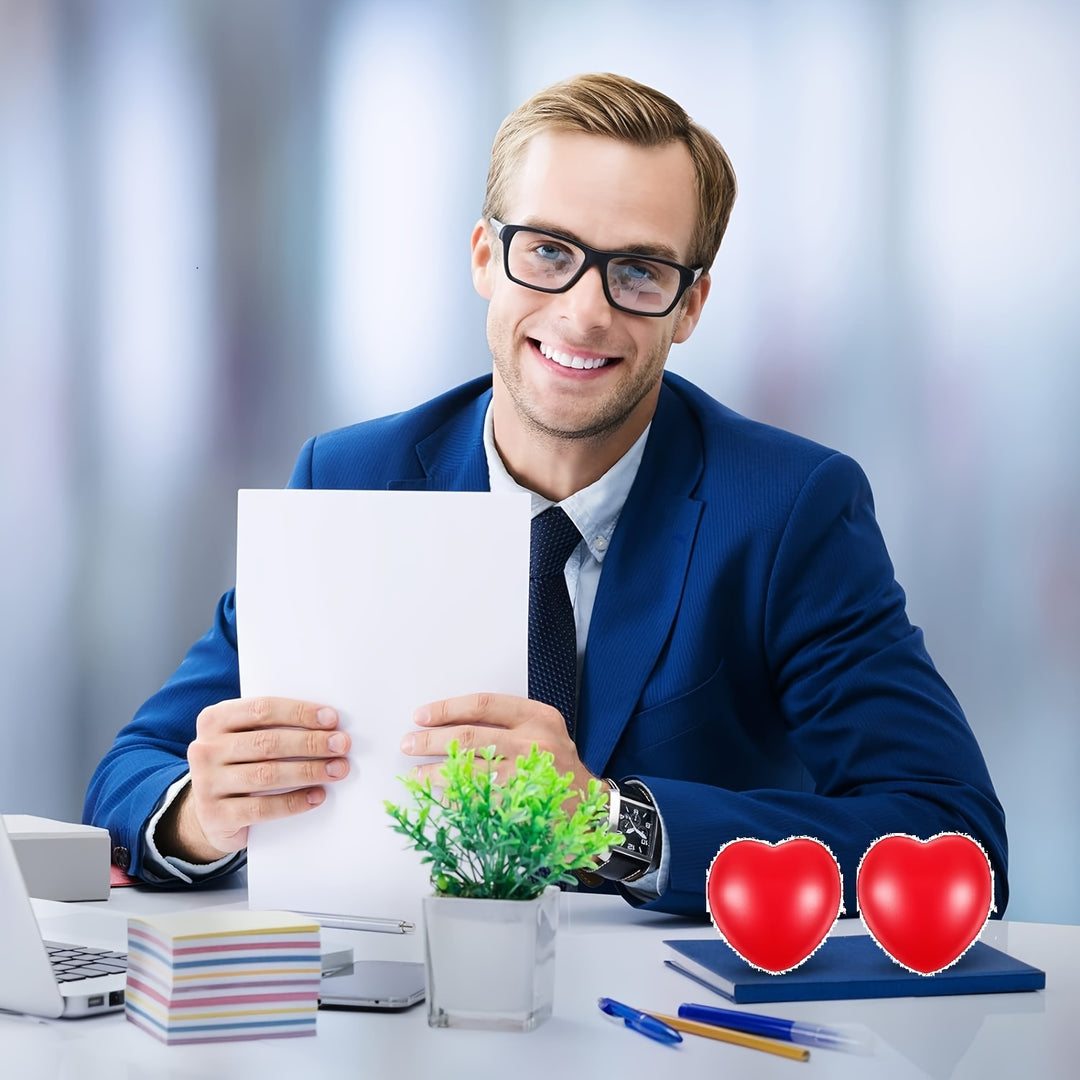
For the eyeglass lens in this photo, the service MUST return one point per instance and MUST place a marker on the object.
(637, 284)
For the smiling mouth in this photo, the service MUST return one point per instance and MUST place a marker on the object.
(573, 360)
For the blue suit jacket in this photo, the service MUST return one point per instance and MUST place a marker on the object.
(749, 656)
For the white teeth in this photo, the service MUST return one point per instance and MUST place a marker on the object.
(571, 361)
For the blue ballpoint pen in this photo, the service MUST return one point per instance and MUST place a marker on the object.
(641, 1022)
(774, 1027)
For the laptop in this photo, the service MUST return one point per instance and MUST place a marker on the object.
(48, 978)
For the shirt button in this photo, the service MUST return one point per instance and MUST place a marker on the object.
(600, 543)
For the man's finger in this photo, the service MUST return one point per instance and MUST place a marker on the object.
(227, 828)
(496, 710)
(268, 744)
(258, 777)
(507, 744)
(427, 743)
(249, 714)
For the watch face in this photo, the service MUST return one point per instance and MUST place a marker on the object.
(636, 824)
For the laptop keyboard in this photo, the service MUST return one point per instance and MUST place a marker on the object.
(75, 962)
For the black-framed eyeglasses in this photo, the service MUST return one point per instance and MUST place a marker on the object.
(552, 263)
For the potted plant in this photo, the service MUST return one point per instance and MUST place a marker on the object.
(498, 849)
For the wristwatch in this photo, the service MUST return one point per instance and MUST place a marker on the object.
(630, 812)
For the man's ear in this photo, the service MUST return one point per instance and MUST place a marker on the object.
(691, 312)
(483, 258)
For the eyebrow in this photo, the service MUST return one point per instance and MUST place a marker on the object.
(659, 251)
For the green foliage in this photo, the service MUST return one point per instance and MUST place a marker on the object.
(503, 840)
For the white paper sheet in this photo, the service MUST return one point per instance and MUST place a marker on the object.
(373, 602)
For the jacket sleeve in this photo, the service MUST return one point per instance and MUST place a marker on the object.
(883, 740)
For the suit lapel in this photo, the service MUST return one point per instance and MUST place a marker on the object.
(642, 580)
(452, 457)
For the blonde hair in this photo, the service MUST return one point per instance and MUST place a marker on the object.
(620, 108)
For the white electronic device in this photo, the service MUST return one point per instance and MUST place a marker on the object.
(60, 860)
(51, 979)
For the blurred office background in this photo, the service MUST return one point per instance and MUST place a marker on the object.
(228, 224)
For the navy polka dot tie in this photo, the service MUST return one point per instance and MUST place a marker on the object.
(552, 631)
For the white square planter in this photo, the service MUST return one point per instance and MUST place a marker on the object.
(490, 963)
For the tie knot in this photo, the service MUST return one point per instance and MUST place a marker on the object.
(554, 536)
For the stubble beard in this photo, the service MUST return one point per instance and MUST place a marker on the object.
(612, 413)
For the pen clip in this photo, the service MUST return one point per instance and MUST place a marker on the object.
(639, 1021)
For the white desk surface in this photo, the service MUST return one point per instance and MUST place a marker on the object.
(605, 948)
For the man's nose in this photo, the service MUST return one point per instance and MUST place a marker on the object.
(586, 303)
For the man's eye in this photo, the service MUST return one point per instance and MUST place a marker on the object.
(634, 275)
(551, 253)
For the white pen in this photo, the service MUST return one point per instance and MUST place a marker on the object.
(349, 922)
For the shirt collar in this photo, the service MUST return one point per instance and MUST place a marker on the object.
(594, 509)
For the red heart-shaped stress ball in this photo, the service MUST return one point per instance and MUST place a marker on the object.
(925, 901)
(774, 903)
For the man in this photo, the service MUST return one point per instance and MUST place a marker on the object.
(745, 664)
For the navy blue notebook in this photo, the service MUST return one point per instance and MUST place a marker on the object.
(848, 967)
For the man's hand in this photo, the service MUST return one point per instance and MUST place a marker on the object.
(510, 724)
(244, 750)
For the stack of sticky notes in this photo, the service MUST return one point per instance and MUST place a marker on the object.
(219, 975)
